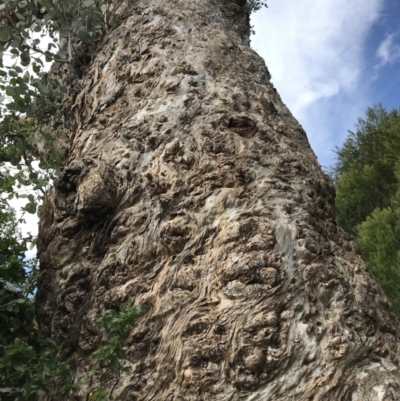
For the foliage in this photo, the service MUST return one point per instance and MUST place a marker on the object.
(379, 238)
(18, 333)
(11, 248)
(71, 25)
(256, 5)
(30, 366)
(27, 372)
(17, 279)
(29, 99)
(365, 172)
(116, 326)
(25, 174)
(30, 371)
(367, 179)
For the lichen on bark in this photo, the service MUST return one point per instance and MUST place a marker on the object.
(191, 190)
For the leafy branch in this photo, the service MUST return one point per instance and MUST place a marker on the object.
(29, 369)
(116, 326)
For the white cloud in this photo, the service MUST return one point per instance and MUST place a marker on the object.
(388, 51)
(314, 51)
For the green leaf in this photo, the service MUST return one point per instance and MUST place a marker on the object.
(25, 34)
(43, 89)
(38, 60)
(4, 33)
(49, 57)
(84, 36)
(36, 68)
(21, 301)
(25, 58)
(10, 91)
(31, 208)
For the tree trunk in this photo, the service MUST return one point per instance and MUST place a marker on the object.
(191, 190)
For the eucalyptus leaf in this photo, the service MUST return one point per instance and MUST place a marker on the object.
(38, 60)
(4, 33)
(20, 25)
(10, 91)
(25, 58)
(36, 68)
(48, 56)
(43, 89)
(88, 3)
(84, 36)
(31, 208)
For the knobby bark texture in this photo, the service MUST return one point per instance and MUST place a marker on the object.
(191, 190)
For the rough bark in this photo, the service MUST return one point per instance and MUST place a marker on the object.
(192, 191)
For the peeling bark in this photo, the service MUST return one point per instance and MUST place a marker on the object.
(192, 191)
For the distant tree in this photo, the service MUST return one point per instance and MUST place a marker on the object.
(365, 172)
(367, 178)
(379, 238)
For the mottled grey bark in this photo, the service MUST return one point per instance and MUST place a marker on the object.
(192, 191)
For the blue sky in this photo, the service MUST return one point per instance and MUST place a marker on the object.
(330, 60)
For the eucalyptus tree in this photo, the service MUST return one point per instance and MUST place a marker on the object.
(190, 189)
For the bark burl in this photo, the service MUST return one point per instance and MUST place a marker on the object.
(192, 191)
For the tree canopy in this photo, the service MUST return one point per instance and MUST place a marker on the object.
(367, 179)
